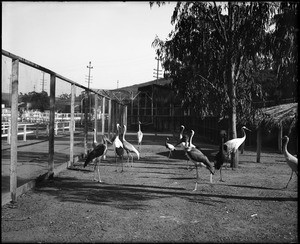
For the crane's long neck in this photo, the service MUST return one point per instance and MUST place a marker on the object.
(181, 132)
(190, 139)
(139, 126)
(124, 132)
(285, 151)
(244, 134)
(95, 136)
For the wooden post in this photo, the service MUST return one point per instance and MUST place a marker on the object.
(14, 130)
(25, 130)
(103, 115)
(125, 115)
(51, 126)
(96, 114)
(109, 117)
(85, 123)
(72, 126)
(258, 144)
(9, 132)
(37, 131)
(279, 138)
(138, 105)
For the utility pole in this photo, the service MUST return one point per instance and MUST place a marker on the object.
(89, 81)
(157, 70)
(117, 84)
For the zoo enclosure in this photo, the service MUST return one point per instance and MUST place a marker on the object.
(86, 109)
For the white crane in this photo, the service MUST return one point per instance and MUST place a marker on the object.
(169, 146)
(183, 142)
(291, 160)
(233, 144)
(96, 154)
(118, 148)
(199, 159)
(139, 137)
(129, 148)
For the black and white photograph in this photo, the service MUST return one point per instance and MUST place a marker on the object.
(149, 122)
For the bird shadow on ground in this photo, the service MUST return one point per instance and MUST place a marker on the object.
(130, 196)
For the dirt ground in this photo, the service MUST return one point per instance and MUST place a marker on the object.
(153, 201)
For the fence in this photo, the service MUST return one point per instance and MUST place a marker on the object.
(97, 112)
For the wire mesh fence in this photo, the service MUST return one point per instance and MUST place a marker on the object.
(48, 121)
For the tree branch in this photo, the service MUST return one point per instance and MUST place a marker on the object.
(220, 22)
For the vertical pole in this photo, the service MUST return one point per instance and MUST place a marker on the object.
(37, 131)
(279, 138)
(51, 126)
(96, 114)
(9, 132)
(258, 144)
(109, 117)
(103, 115)
(125, 115)
(138, 105)
(25, 131)
(72, 126)
(14, 130)
(85, 123)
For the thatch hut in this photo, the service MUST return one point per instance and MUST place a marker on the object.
(283, 117)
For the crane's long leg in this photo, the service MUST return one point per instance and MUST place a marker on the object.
(131, 159)
(116, 162)
(289, 179)
(98, 170)
(169, 154)
(196, 185)
(221, 174)
(122, 163)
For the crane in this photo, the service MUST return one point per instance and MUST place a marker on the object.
(118, 148)
(129, 147)
(199, 159)
(97, 153)
(233, 144)
(291, 160)
(220, 157)
(169, 146)
(95, 143)
(139, 137)
(183, 142)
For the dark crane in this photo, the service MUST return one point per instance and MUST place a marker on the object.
(220, 157)
(97, 153)
(199, 159)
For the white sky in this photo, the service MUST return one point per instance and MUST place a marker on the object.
(64, 36)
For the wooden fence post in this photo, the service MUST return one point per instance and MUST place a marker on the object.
(258, 144)
(279, 138)
(96, 114)
(72, 126)
(51, 126)
(25, 130)
(103, 115)
(14, 130)
(9, 133)
(109, 117)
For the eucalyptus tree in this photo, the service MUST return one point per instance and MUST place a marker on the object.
(213, 53)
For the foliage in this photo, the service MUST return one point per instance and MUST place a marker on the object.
(216, 52)
(36, 100)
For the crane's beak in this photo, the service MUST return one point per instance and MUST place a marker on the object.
(247, 129)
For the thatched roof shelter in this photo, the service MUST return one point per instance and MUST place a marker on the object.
(279, 115)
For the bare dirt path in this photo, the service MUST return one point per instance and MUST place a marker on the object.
(153, 202)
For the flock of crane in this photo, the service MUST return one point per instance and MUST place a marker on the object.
(192, 152)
